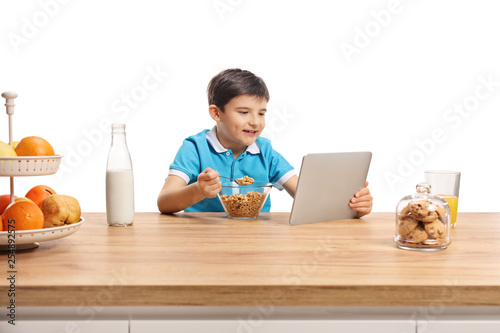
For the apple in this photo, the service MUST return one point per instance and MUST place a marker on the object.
(4, 202)
(60, 209)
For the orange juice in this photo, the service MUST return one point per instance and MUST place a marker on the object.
(452, 201)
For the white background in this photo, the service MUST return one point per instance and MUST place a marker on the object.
(407, 65)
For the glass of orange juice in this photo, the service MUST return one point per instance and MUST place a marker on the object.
(446, 184)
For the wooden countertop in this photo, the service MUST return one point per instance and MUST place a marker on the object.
(208, 259)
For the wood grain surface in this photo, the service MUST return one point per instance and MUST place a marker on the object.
(208, 259)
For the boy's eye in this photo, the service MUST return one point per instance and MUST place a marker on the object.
(243, 112)
(262, 114)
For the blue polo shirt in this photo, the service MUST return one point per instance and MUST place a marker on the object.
(259, 161)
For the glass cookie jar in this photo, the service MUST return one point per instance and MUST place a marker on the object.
(422, 221)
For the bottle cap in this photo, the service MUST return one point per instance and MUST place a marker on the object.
(118, 127)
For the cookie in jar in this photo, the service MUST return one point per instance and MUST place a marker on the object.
(422, 221)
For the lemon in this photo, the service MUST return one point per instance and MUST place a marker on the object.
(23, 199)
(6, 150)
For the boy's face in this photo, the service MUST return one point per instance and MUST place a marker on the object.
(242, 121)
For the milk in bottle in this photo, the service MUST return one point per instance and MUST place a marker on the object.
(119, 181)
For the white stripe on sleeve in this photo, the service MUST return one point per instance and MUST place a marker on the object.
(179, 173)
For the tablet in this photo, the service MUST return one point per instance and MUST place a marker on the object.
(326, 184)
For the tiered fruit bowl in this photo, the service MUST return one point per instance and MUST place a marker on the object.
(19, 166)
(27, 239)
(29, 165)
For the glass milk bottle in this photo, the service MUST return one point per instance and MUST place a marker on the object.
(119, 180)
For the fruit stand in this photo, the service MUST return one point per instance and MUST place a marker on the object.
(18, 166)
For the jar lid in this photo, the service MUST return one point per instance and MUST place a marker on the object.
(424, 188)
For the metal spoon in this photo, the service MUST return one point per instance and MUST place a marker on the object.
(236, 181)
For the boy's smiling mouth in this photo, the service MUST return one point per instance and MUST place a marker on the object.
(249, 132)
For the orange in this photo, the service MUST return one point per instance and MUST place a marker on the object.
(38, 193)
(24, 215)
(34, 146)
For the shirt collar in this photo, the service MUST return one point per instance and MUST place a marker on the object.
(212, 138)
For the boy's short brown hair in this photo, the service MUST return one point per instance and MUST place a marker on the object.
(234, 82)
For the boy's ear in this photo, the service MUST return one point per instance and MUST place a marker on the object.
(214, 112)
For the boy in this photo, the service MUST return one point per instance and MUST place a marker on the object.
(233, 148)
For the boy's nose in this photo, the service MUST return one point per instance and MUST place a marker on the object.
(254, 120)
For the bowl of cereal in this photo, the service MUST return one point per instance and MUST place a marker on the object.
(243, 201)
